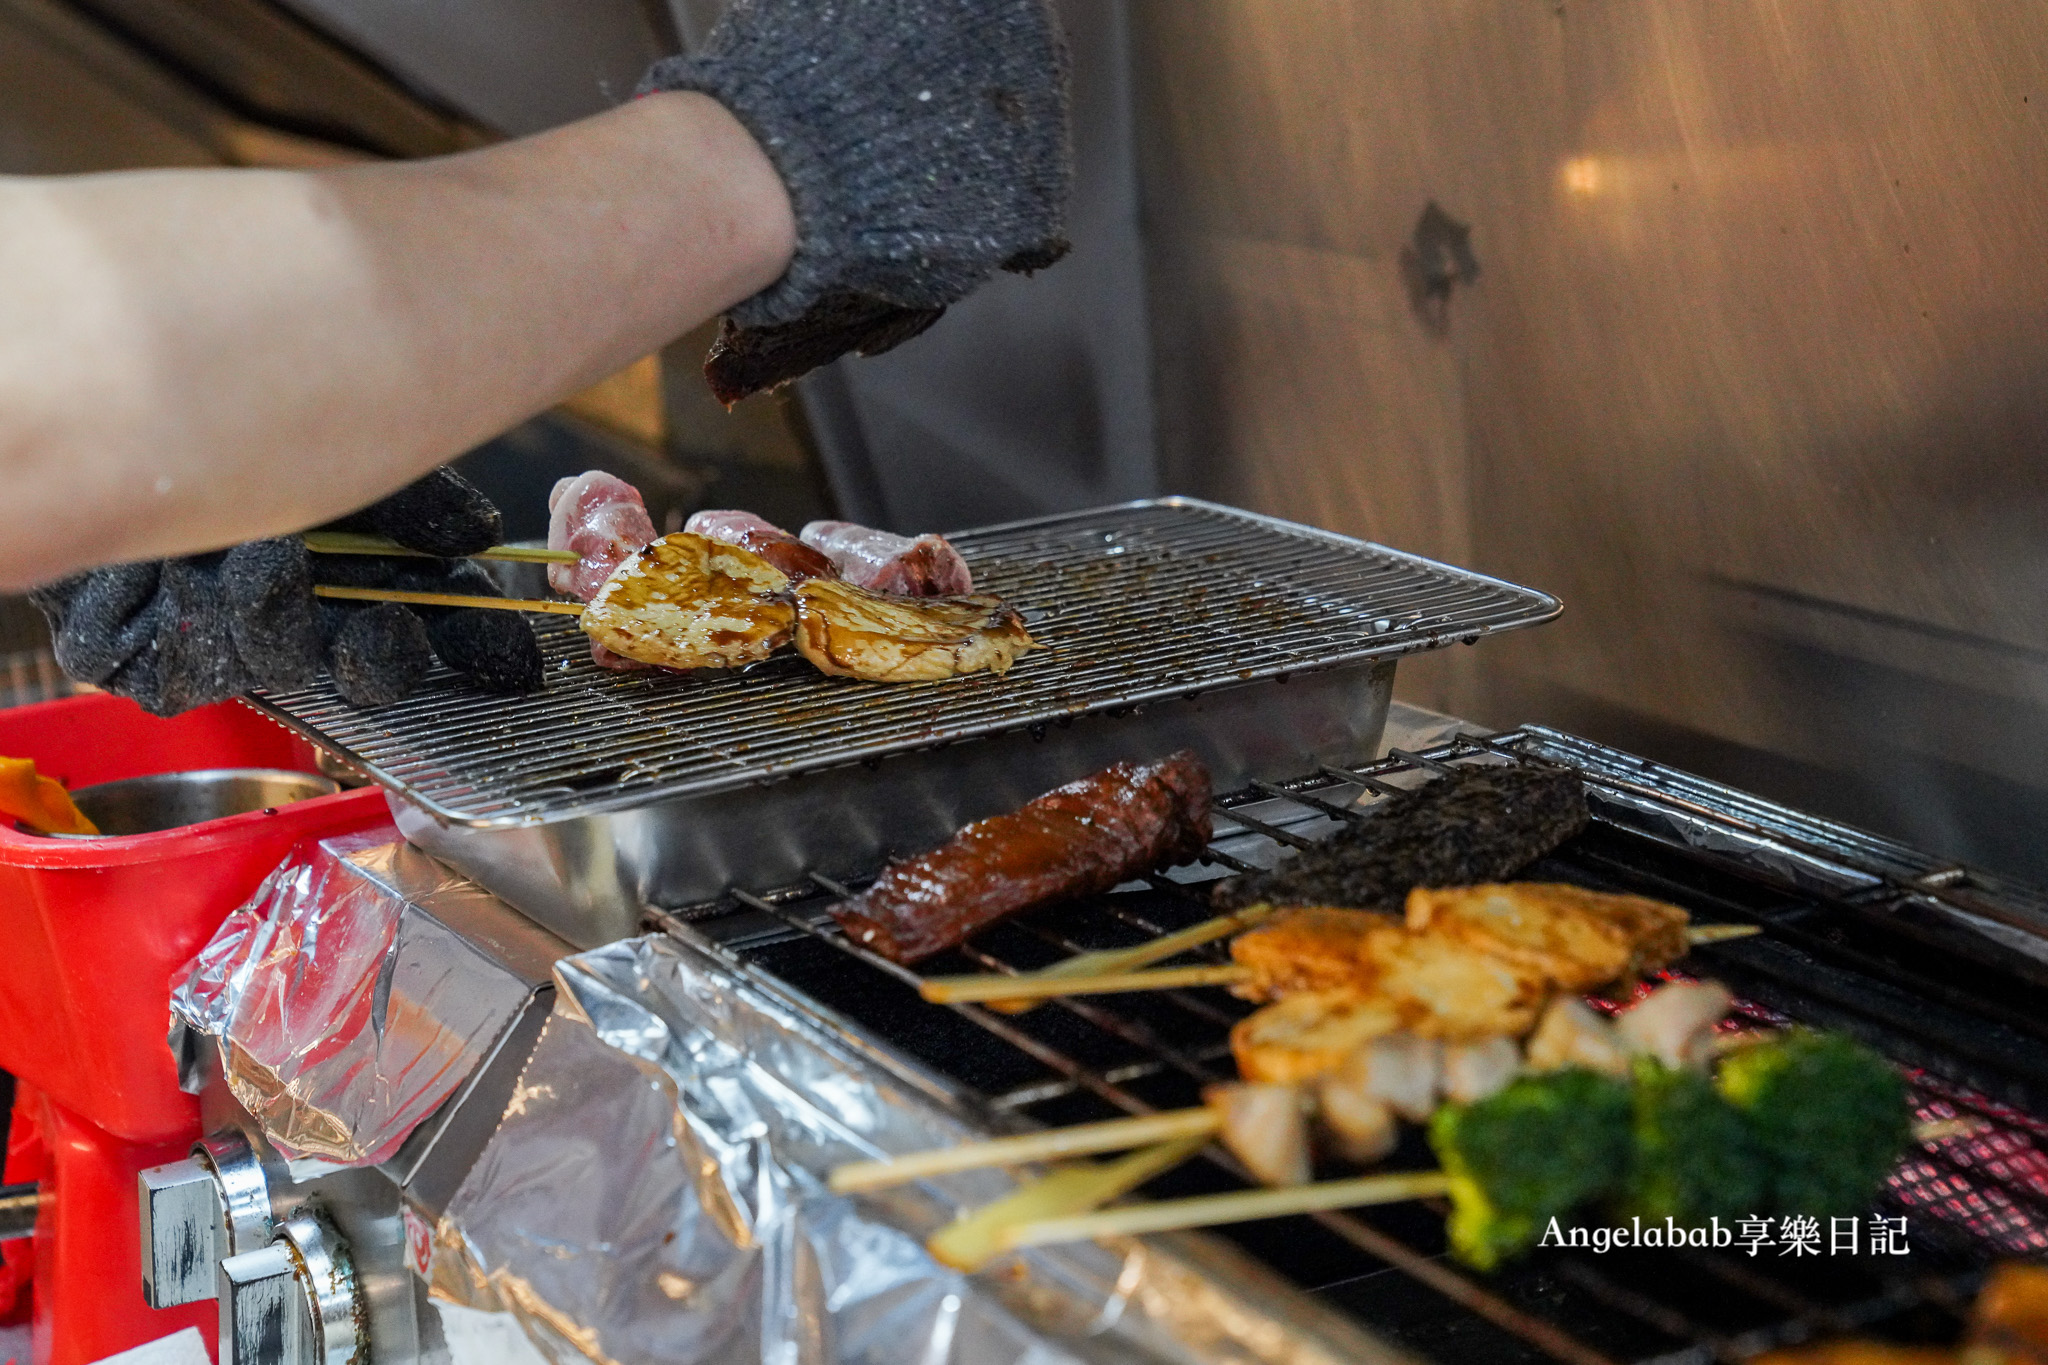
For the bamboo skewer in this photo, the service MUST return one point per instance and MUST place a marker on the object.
(955, 990)
(1237, 1207)
(974, 1240)
(1115, 1135)
(447, 599)
(982, 987)
(1111, 961)
(1053, 1144)
(358, 543)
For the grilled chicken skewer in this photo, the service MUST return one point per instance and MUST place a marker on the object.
(687, 601)
(1478, 949)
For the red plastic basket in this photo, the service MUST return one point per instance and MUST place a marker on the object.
(91, 931)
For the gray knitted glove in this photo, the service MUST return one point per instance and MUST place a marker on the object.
(924, 145)
(178, 633)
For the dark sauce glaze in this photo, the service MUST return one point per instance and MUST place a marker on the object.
(1077, 840)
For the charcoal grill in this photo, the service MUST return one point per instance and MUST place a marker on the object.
(1166, 623)
(1936, 965)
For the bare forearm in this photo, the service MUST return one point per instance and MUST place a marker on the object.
(188, 359)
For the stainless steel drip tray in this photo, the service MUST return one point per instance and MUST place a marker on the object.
(591, 879)
(1167, 623)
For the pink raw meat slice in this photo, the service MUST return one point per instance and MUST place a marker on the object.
(796, 559)
(881, 562)
(602, 519)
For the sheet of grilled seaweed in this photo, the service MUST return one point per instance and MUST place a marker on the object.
(1473, 824)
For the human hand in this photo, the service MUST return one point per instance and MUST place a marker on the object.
(924, 145)
(178, 633)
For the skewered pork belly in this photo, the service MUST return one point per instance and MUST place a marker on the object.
(1473, 824)
(1076, 840)
(689, 602)
(796, 559)
(602, 519)
(851, 632)
(924, 567)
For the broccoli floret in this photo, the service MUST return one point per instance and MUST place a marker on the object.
(1693, 1155)
(1830, 1115)
(1535, 1151)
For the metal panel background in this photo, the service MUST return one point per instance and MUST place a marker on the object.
(1751, 376)
(517, 65)
(1034, 395)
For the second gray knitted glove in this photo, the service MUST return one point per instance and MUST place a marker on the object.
(924, 144)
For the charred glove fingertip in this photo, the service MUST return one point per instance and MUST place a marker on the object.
(377, 655)
(440, 513)
(272, 612)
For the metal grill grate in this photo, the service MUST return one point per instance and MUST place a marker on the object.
(1135, 603)
(1727, 858)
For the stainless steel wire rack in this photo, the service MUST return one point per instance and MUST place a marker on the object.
(1858, 934)
(1134, 604)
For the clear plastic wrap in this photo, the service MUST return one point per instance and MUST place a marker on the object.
(655, 1192)
(343, 1009)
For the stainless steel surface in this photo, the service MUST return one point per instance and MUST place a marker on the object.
(242, 1202)
(181, 1251)
(160, 801)
(295, 1301)
(1143, 603)
(326, 1272)
(658, 1196)
(1751, 374)
(1034, 394)
(592, 879)
(264, 1316)
(517, 65)
(1156, 617)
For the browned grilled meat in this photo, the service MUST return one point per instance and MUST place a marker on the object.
(1076, 840)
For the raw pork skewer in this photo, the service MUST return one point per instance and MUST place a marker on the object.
(603, 520)
(797, 560)
(924, 567)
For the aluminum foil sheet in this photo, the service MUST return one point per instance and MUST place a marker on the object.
(656, 1192)
(344, 1011)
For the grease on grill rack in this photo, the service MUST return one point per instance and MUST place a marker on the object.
(1826, 960)
(1136, 603)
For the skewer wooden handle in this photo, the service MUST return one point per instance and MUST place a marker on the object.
(1240, 1207)
(954, 990)
(984, 987)
(358, 543)
(447, 599)
(1082, 1139)
(1114, 960)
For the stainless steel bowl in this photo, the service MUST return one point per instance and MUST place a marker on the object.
(144, 805)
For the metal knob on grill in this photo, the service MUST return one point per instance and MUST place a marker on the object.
(293, 1302)
(196, 1212)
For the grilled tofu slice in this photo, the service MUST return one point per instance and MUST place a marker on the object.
(1308, 1034)
(1580, 939)
(851, 632)
(689, 602)
(1440, 988)
(1308, 950)
(1437, 985)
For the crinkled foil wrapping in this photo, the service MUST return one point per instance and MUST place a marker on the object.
(655, 1192)
(344, 1012)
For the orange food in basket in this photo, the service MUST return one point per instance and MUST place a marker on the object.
(39, 802)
